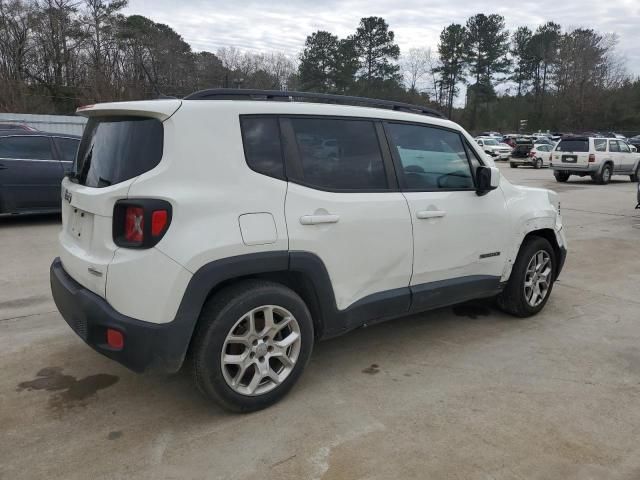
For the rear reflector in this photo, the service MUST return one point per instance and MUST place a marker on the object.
(134, 224)
(115, 339)
(158, 222)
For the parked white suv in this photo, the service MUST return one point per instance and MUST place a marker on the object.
(599, 158)
(494, 148)
(225, 230)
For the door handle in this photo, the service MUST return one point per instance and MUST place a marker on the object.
(423, 214)
(317, 219)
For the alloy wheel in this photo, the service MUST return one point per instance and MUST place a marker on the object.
(261, 350)
(537, 279)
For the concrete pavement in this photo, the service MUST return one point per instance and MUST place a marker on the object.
(459, 393)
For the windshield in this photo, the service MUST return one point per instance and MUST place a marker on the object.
(490, 142)
(115, 149)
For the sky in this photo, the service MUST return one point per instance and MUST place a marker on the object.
(282, 26)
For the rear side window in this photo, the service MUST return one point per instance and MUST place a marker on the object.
(67, 147)
(623, 147)
(600, 144)
(339, 154)
(573, 145)
(262, 148)
(430, 158)
(115, 149)
(26, 148)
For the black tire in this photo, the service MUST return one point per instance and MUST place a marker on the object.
(604, 176)
(635, 176)
(512, 299)
(513, 165)
(219, 316)
(538, 164)
(561, 176)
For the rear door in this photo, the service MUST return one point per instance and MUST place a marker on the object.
(342, 205)
(615, 155)
(29, 173)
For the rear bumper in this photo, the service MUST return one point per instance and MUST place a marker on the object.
(147, 346)
(568, 167)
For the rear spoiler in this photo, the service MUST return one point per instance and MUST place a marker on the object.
(160, 109)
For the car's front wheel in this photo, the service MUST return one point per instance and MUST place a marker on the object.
(538, 163)
(636, 175)
(252, 343)
(531, 280)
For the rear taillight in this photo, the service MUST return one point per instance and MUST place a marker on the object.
(140, 223)
(133, 224)
(592, 157)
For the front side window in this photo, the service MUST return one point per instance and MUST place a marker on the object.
(613, 146)
(262, 148)
(26, 148)
(600, 144)
(430, 158)
(339, 154)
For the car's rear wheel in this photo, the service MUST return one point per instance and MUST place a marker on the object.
(604, 176)
(561, 177)
(635, 176)
(531, 280)
(252, 343)
(513, 165)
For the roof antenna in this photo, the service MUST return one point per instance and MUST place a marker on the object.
(160, 96)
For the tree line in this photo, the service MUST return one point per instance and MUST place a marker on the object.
(58, 54)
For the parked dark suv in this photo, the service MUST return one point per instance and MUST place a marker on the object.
(32, 165)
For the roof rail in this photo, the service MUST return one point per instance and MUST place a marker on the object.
(278, 95)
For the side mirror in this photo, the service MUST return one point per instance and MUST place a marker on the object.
(633, 149)
(487, 179)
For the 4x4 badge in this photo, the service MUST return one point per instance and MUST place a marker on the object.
(67, 196)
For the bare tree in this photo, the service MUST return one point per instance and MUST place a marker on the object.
(414, 66)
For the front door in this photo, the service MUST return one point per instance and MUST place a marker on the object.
(460, 238)
(29, 174)
(627, 159)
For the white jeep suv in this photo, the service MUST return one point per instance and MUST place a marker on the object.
(599, 158)
(235, 230)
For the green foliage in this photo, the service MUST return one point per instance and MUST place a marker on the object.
(376, 49)
(319, 62)
(451, 49)
(58, 54)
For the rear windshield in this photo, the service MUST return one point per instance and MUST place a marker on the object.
(115, 149)
(574, 145)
